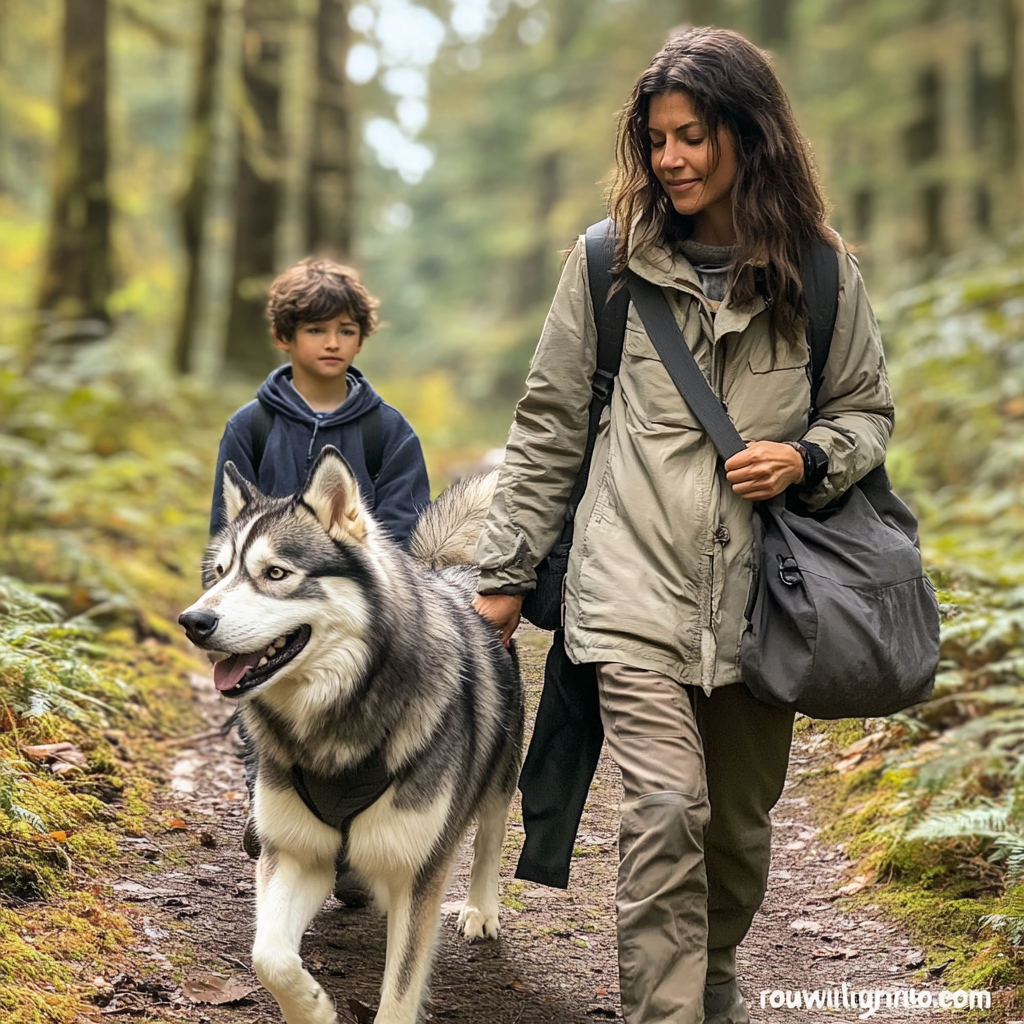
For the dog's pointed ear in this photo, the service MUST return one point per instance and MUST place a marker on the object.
(331, 492)
(238, 492)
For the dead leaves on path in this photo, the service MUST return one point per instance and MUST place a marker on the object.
(209, 988)
(127, 994)
(60, 758)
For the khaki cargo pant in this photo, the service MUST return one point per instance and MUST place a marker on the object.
(700, 775)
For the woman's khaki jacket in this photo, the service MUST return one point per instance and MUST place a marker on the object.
(660, 567)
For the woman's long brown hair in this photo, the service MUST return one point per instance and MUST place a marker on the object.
(778, 208)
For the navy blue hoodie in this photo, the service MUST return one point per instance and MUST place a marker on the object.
(297, 436)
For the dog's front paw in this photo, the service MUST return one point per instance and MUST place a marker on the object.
(478, 924)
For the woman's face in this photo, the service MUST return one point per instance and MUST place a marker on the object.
(683, 160)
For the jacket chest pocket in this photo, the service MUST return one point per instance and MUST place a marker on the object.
(771, 401)
(647, 388)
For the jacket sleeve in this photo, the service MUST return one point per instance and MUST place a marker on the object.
(402, 489)
(855, 410)
(546, 443)
(236, 447)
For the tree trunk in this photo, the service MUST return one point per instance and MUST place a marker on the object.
(1006, 86)
(77, 275)
(194, 201)
(330, 192)
(775, 22)
(258, 188)
(5, 20)
(704, 12)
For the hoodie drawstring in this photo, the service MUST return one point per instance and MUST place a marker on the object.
(312, 441)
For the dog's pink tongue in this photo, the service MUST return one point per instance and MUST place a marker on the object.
(227, 672)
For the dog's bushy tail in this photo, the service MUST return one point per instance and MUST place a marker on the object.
(447, 531)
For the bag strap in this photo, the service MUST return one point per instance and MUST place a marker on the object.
(610, 320)
(820, 273)
(262, 422)
(371, 424)
(689, 379)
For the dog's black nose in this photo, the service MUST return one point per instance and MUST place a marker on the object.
(199, 625)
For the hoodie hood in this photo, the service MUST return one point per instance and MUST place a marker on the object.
(278, 395)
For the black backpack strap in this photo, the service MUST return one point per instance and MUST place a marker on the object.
(819, 271)
(610, 320)
(262, 423)
(372, 427)
(609, 311)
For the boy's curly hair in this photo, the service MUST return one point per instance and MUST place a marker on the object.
(318, 289)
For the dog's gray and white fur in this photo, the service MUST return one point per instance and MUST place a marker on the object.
(364, 649)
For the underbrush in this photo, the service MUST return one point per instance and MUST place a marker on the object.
(104, 490)
(931, 802)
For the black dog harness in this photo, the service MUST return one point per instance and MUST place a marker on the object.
(337, 799)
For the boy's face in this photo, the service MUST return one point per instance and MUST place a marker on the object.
(324, 350)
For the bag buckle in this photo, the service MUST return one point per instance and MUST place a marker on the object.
(602, 384)
(789, 571)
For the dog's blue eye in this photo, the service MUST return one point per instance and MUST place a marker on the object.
(275, 572)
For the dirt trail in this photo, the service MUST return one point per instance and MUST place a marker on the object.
(555, 962)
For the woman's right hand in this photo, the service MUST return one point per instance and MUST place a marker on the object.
(502, 611)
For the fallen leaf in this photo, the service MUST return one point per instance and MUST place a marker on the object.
(138, 891)
(60, 837)
(518, 985)
(839, 953)
(208, 840)
(363, 1013)
(176, 823)
(854, 887)
(208, 988)
(805, 926)
(60, 757)
(914, 958)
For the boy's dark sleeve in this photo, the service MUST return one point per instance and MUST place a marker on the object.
(402, 488)
(236, 447)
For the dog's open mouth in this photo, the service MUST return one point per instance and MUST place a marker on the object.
(239, 673)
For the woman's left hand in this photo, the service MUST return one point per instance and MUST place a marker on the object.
(764, 469)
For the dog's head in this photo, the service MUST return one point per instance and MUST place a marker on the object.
(281, 571)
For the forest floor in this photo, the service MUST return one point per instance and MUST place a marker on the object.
(190, 892)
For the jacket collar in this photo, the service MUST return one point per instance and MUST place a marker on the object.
(668, 268)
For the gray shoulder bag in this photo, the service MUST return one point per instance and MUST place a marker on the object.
(842, 621)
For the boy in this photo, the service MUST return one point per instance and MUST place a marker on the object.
(320, 314)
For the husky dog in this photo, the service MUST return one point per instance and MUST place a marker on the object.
(385, 711)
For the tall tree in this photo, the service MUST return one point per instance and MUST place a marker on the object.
(194, 201)
(774, 21)
(77, 275)
(5, 20)
(330, 188)
(258, 187)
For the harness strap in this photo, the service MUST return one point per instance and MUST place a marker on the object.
(337, 799)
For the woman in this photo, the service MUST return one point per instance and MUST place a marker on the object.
(714, 200)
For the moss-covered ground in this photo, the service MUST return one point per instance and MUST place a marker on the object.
(103, 500)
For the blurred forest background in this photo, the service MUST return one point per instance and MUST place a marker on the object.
(161, 160)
